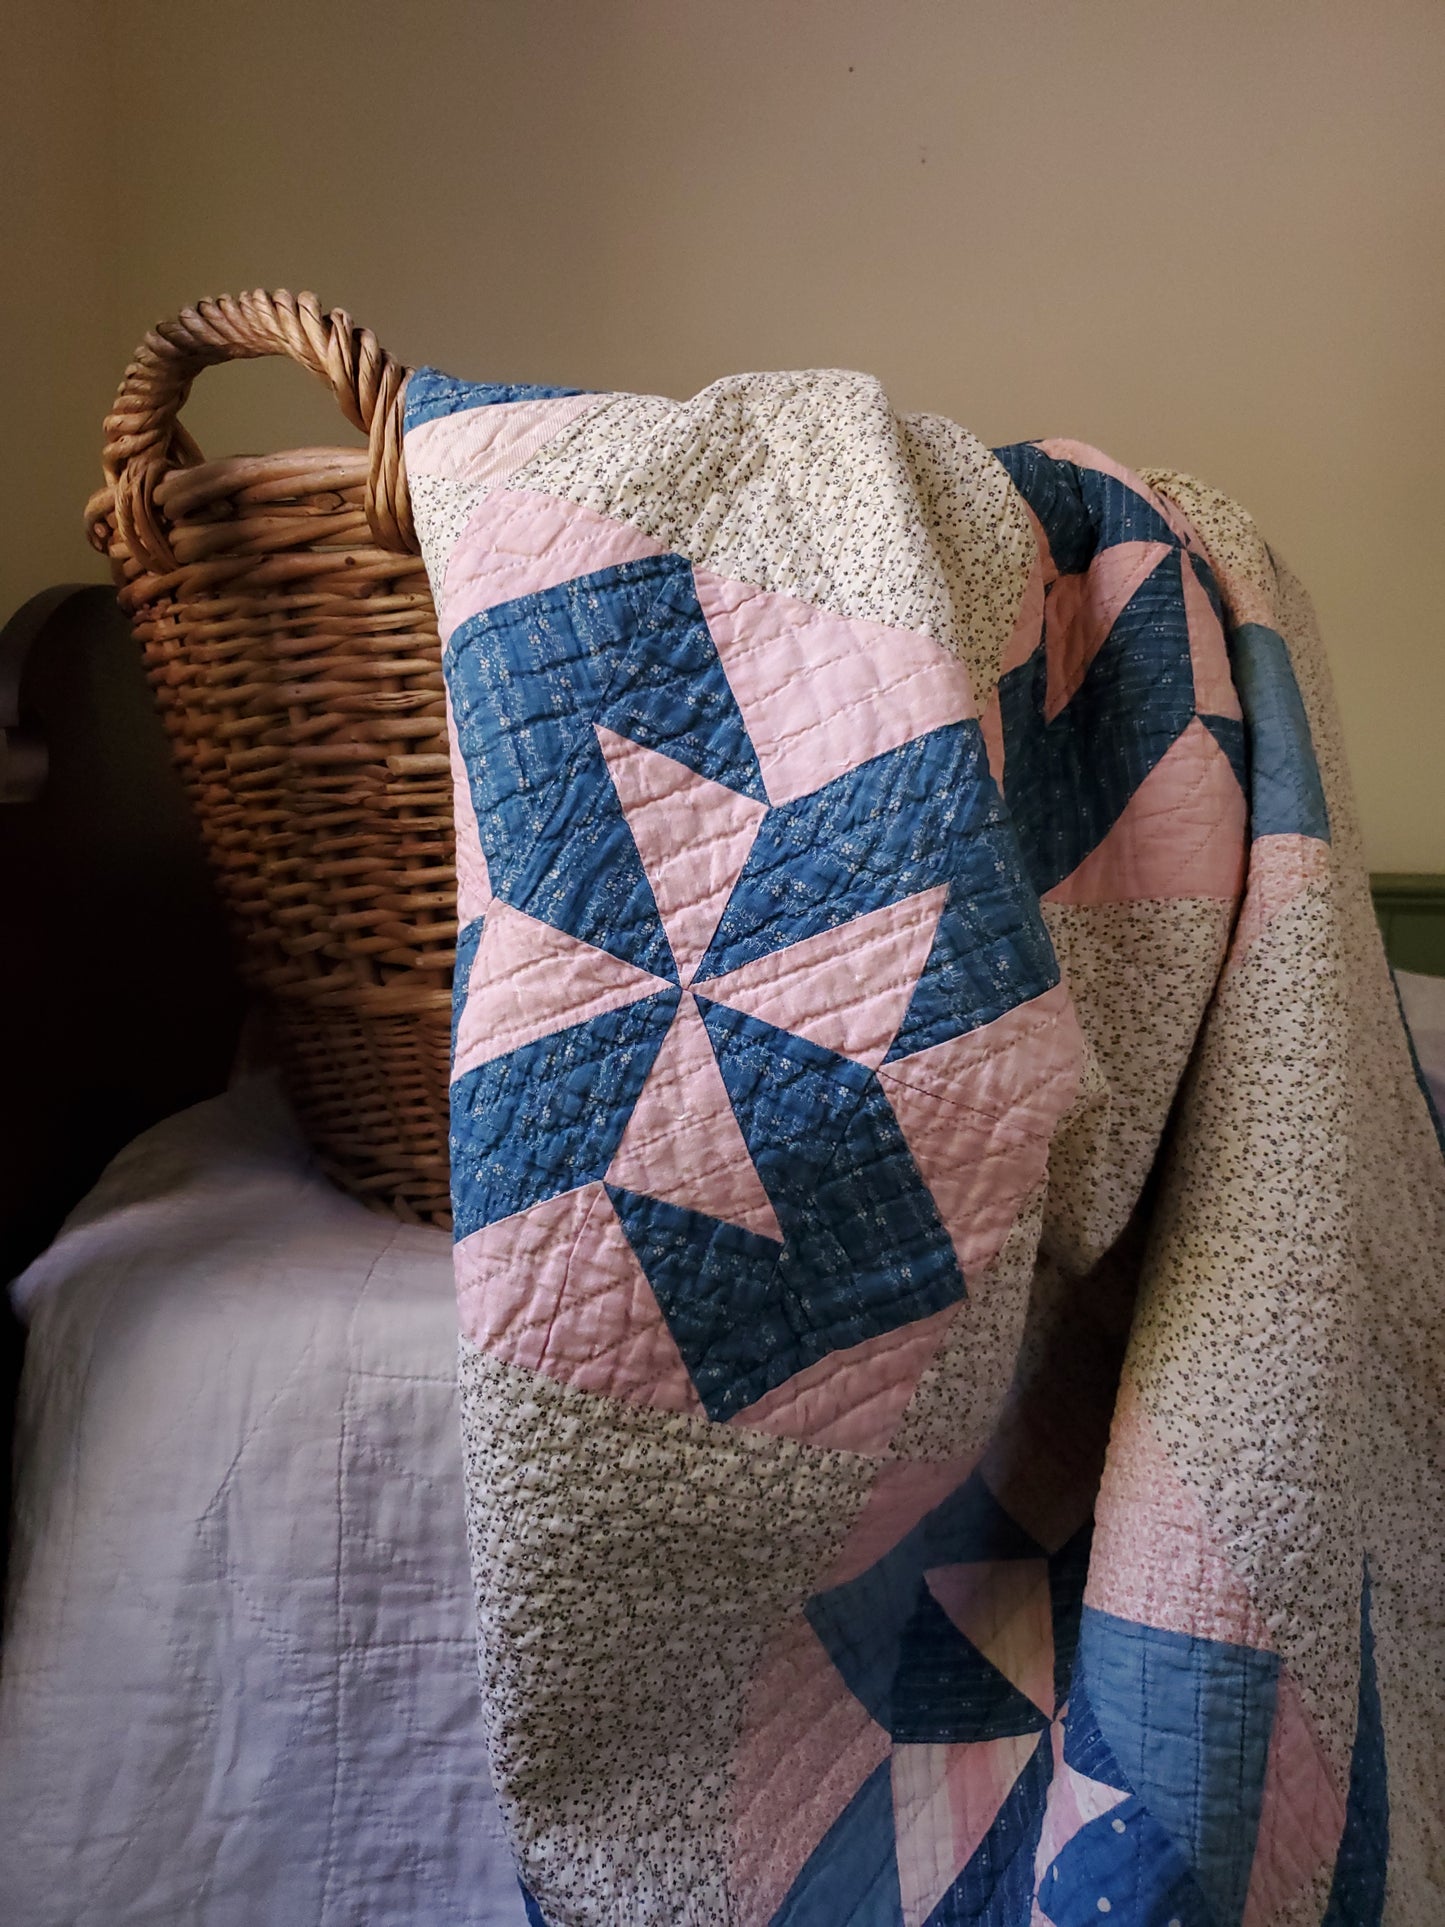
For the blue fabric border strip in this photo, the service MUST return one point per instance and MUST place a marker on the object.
(431, 394)
(1357, 1895)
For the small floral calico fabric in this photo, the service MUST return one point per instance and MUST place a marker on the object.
(948, 1237)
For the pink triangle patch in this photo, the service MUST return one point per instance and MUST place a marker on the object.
(806, 1746)
(1281, 866)
(945, 1799)
(903, 1491)
(1029, 622)
(558, 1289)
(978, 1112)
(1082, 610)
(529, 980)
(1002, 1607)
(821, 693)
(1301, 1816)
(692, 834)
(852, 1400)
(683, 1143)
(486, 445)
(1182, 833)
(847, 989)
(517, 542)
(1156, 1558)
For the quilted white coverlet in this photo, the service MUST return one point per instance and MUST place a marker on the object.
(239, 1684)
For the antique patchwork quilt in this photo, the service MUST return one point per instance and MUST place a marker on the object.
(948, 1233)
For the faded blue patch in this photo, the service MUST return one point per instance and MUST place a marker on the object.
(1357, 1893)
(1081, 510)
(1188, 1720)
(1286, 797)
(851, 1877)
(945, 1692)
(625, 647)
(525, 680)
(1128, 1860)
(582, 872)
(923, 815)
(717, 1288)
(549, 1116)
(672, 693)
(1051, 490)
(1084, 1746)
(430, 393)
(1230, 735)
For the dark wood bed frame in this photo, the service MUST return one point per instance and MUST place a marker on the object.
(119, 1001)
(120, 1004)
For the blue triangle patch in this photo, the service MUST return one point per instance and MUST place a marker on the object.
(945, 1692)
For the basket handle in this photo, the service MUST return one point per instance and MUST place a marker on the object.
(144, 439)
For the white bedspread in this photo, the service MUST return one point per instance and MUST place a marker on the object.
(238, 1683)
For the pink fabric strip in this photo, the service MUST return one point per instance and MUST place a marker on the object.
(945, 1799)
(693, 836)
(1002, 1606)
(1302, 1813)
(529, 979)
(1281, 868)
(558, 1289)
(822, 693)
(1082, 611)
(1028, 626)
(1083, 455)
(852, 1400)
(683, 1143)
(487, 444)
(978, 1112)
(1155, 1557)
(903, 1492)
(1214, 690)
(806, 1747)
(1182, 833)
(518, 542)
(848, 988)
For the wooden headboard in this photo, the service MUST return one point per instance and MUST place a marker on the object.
(118, 1002)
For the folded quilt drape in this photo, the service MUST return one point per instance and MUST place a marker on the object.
(948, 1235)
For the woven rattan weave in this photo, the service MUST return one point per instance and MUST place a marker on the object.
(291, 640)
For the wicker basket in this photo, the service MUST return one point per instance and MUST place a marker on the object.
(291, 640)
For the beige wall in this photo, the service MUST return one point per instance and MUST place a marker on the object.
(57, 289)
(1205, 235)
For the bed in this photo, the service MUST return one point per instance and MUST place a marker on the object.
(237, 1682)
